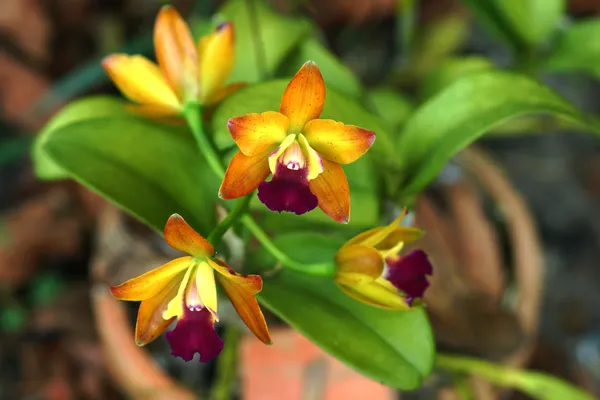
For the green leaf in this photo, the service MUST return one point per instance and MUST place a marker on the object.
(90, 108)
(148, 169)
(463, 112)
(496, 22)
(336, 74)
(576, 51)
(533, 20)
(392, 347)
(451, 70)
(535, 384)
(263, 38)
(392, 107)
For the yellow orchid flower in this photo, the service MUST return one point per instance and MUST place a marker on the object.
(369, 269)
(185, 72)
(302, 152)
(184, 290)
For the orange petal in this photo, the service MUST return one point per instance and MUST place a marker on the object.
(336, 141)
(152, 282)
(153, 111)
(176, 53)
(179, 235)
(241, 290)
(304, 97)
(150, 323)
(243, 175)
(223, 92)
(140, 80)
(331, 188)
(216, 58)
(258, 133)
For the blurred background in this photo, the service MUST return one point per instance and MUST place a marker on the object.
(58, 240)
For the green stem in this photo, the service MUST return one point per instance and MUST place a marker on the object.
(192, 113)
(241, 206)
(227, 365)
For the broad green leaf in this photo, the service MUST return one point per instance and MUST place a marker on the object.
(451, 70)
(535, 384)
(90, 108)
(392, 347)
(263, 38)
(577, 49)
(392, 107)
(466, 110)
(336, 74)
(496, 22)
(533, 20)
(149, 170)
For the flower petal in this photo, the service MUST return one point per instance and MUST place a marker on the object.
(153, 111)
(176, 53)
(205, 287)
(314, 163)
(243, 175)
(140, 80)
(257, 133)
(336, 141)
(289, 191)
(150, 322)
(152, 282)
(387, 238)
(304, 97)
(176, 308)
(216, 58)
(195, 333)
(223, 92)
(408, 273)
(379, 293)
(241, 290)
(179, 235)
(357, 265)
(331, 188)
(274, 156)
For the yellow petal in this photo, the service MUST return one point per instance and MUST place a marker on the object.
(179, 235)
(243, 175)
(152, 282)
(241, 290)
(176, 53)
(314, 163)
(279, 151)
(258, 133)
(206, 287)
(304, 97)
(216, 58)
(331, 188)
(379, 293)
(152, 111)
(140, 80)
(357, 265)
(175, 307)
(373, 236)
(336, 141)
(150, 322)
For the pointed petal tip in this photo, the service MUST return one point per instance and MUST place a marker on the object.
(181, 236)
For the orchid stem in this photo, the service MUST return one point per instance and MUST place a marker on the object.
(241, 206)
(192, 114)
(227, 365)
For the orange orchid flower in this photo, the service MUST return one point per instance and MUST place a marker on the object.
(302, 152)
(369, 269)
(186, 72)
(184, 290)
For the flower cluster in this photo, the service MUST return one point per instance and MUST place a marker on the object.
(302, 154)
